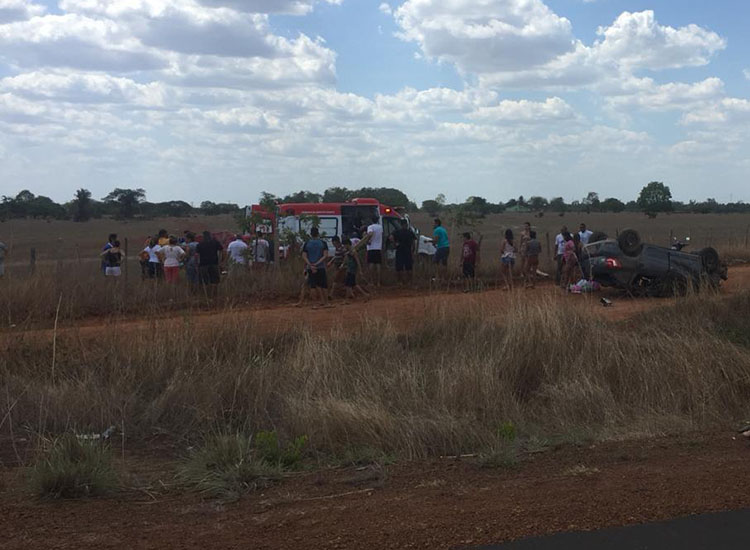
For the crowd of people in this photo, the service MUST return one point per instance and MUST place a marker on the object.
(204, 258)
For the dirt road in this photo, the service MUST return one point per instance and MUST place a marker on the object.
(402, 308)
(439, 504)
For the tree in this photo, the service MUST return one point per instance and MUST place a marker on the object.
(591, 202)
(477, 205)
(612, 205)
(432, 207)
(127, 201)
(538, 203)
(81, 206)
(337, 194)
(557, 204)
(655, 197)
(386, 195)
(303, 196)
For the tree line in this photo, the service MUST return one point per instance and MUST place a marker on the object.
(653, 199)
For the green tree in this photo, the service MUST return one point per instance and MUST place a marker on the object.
(81, 206)
(337, 194)
(558, 204)
(612, 205)
(591, 202)
(655, 197)
(303, 196)
(127, 201)
(538, 203)
(432, 207)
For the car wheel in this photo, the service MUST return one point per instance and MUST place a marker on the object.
(710, 259)
(630, 242)
(597, 236)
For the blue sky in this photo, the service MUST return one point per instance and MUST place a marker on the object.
(223, 99)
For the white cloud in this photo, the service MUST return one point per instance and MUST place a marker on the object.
(644, 93)
(18, 10)
(636, 41)
(553, 108)
(487, 36)
(385, 8)
(746, 72)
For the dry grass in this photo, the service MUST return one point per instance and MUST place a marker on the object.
(450, 386)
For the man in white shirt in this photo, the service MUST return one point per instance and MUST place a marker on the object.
(585, 234)
(237, 250)
(261, 250)
(559, 251)
(375, 249)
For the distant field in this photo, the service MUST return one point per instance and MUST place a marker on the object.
(718, 230)
(68, 240)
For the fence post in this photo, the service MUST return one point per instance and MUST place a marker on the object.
(671, 237)
(747, 234)
(125, 258)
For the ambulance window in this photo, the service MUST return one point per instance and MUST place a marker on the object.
(328, 226)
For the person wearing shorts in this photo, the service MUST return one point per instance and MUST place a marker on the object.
(315, 255)
(532, 252)
(375, 249)
(507, 259)
(112, 258)
(171, 255)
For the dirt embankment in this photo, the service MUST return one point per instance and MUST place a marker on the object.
(444, 503)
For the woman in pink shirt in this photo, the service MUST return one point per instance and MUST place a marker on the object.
(570, 262)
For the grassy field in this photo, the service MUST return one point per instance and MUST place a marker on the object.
(66, 240)
(456, 383)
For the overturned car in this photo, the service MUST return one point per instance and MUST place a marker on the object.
(648, 270)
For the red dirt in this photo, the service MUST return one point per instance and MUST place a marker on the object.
(403, 308)
(436, 504)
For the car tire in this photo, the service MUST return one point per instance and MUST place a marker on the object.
(597, 236)
(710, 259)
(630, 242)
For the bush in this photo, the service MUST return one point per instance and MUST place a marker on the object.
(269, 449)
(226, 466)
(71, 468)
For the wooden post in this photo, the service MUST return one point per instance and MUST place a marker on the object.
(32, 266)
(125, 259)
(671, 237)
(747, 235)
(549, 247)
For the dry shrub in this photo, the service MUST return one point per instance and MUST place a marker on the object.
(447, 386)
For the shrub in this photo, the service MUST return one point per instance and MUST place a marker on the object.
(226, 466)
(71, 468)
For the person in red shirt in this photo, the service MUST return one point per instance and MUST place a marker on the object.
(469, 259)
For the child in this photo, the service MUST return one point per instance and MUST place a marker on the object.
(352, 265)
(533, 249)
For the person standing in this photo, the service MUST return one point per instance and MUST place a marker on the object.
(112, 258)
(191, 265)
(569, 261)
(559, 251)
(442, 245)
(585, 234)
(337, 263)
(210, 256)
(404, 239)
(315, 255)
(3, 253)
(171, 255)
(469, 261)
(352, 266)
(261, 251)
(507, 259)
(237, 251)
(155, 268)
(110, 243)
(523, 243)
(533, 250)
(162, 237)
(375, 249)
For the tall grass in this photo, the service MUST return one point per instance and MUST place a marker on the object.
(449, 385)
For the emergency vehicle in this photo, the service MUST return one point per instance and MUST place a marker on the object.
(341, 219)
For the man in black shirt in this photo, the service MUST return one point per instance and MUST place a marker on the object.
(404, 239)
(210, 254)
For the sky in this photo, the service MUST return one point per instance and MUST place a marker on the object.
(223, 99)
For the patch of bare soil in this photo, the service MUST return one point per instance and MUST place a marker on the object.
(442, 503)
